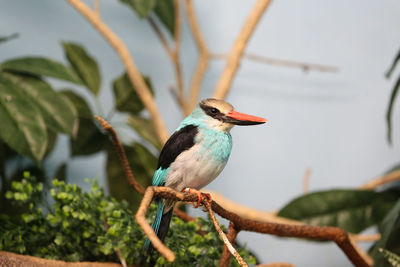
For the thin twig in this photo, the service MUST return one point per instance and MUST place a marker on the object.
(306, 181)
(366, 238)
(281, 62)
(226, 255)
(232, 64)
(161, 37)
(134, 75)
(228, 244)
(203, 59)
(381, 180)
(337, 235)
(119, 148)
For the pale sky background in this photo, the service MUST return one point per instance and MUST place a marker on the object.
(332, 123)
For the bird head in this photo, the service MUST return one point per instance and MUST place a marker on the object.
(221, 115)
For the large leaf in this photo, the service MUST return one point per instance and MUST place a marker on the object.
(390, 233)
(125, 96)
(390, 109)
(23, 127)
(89, 139)
(142, 7)
(9, 37)
(57, 112)
(79, 103)
(143, 164)
(351, 210)
(41, 66)
(145, 129)
(165, 11)
(84, 65)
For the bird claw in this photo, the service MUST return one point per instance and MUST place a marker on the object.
(199, 196)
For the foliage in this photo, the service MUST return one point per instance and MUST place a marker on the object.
(393, 95)
(351, 210)
(392, 258)
(88, 226)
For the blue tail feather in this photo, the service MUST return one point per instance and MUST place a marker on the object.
(156, 223)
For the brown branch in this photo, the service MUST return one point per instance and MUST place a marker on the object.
(9, 259)
(134, 75)
(381, 180)
(232, 64)
(226, 241)
(203, 59)
(121, 155)
(226, 255)
(276, 264)
(96, 7)
(281, 62)
(247, 212)
(337, 235)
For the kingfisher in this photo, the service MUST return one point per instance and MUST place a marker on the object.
(195, 155)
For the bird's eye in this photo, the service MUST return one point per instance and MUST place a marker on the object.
(214, 111)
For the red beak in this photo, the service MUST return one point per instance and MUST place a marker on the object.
(244, 119)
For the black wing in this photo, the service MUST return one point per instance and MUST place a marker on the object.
(178, 142)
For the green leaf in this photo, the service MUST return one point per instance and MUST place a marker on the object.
(57, 112)
(143, 8)
(125, 96)
(25, 130)
(165, 11)
(390, 232)
(61, 172)
(9, 37)
(79, 103)
(390, 110)
(351, 210)
(41, 66)
(84, 65)
(145, 129)
(391, 257)
(143, 164)
(89, 139)
(393, 66)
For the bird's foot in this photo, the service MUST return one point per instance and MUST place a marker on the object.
(199, 196)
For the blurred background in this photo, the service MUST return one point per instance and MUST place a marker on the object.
(331, 122)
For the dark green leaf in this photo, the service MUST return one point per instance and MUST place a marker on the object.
(57, 112)
(142, 7)
(125, 96)
(51, 141)
(143, 164)
(25, 130)
(61, 172)
(351, 210)
(84, 65)
(390, 233)
(145, 129)
(89, 139)
(165, 12)
(79, 102)
(390, 110)
(41, 66)
(9, 37)
(393, 66)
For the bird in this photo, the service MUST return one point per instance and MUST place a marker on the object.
(195, 155)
